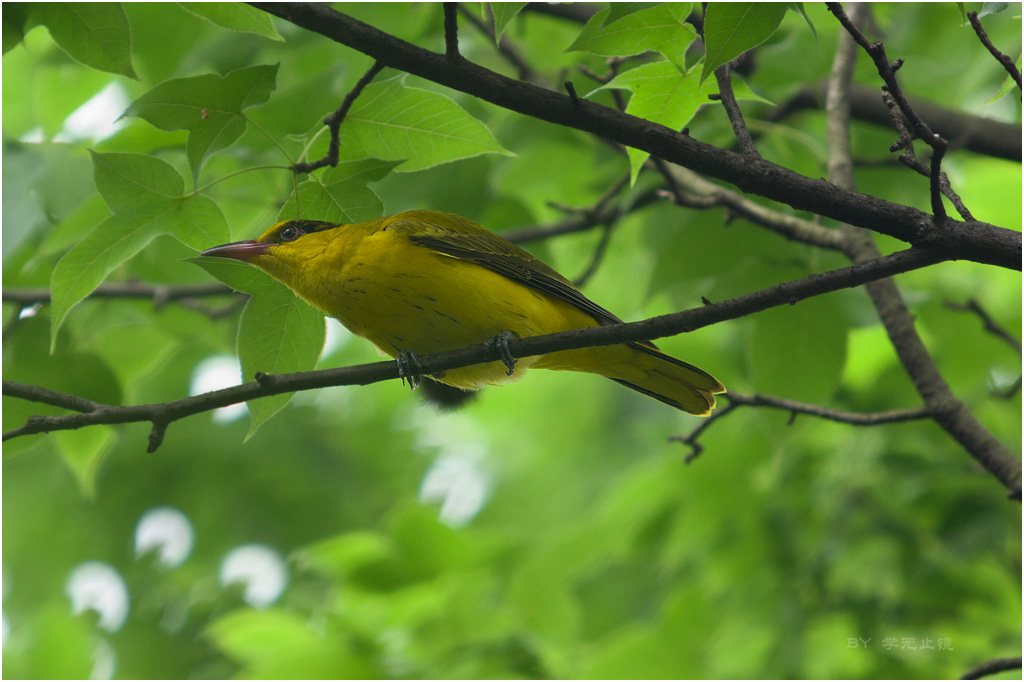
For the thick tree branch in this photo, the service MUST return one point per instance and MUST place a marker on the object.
(980, 135)
(992, 667)
(976, 241)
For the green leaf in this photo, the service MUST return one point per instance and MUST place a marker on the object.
(663, 95)
(340, 194)
(504, 13)
(236, 274)
(732, 28)
(1008, 85)
(799, 8)
(85, 266)
(136, 182)
(660, 28)
(278, 333)
(146, 187)
(235, 17)
(209, 107)
(992, 8)
(741, 90)
(278, 643)
(617, 10)
(96, 34)
(393, 121)
(798, 352)
(15, 17)
(83, 451)
(145, 194)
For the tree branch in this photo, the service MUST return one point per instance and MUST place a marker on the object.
(334, 121)
(160, 293)
(991, 667)
(1003, 59)
(887, 71)
(732, 108)
(786, 293)
(974, 133)
(976, 241)
(737, 400)
(986, 320)
(949, 412)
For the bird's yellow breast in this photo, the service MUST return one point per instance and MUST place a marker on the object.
(401, 296)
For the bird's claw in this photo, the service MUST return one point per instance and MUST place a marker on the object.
(501, 343)
(409, 368)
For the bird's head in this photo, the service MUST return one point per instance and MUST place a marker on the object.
(283, 250)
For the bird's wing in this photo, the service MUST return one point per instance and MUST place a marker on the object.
(459, 238)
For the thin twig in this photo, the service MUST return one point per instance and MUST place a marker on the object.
(451, 30)
(737, 400)
(732, 108)
(333, 123)
(990, 325)
(596, 257)
(160, 293)
(887, 71)
(1003, 59)
(704, 194)
(905, 143)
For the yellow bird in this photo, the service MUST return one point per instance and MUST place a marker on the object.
(427, 281)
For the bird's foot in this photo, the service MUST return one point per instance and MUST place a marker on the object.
(409, 368)
(501, 343)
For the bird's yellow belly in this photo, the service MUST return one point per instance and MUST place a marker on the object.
(414, 299)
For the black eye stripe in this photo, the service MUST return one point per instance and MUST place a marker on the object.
(293, 229)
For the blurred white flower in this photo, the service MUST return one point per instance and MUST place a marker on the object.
(260, 569)
(167, 531)
(98, 586)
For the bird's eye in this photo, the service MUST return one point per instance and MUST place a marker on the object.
(289, 233)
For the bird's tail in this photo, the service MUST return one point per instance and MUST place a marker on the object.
(646, 369)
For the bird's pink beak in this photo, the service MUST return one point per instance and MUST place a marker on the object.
(243, 251)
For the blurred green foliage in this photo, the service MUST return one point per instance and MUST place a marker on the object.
(549, 529)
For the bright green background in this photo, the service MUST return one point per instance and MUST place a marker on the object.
(596, 551)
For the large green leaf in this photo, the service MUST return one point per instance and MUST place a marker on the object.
(660, 28)
(661, 94)
(732, 28)
(235, 16)
(209, 107)
(145, 194)
(393, 121)
(96, 34)
(278, 333)
(85, 266)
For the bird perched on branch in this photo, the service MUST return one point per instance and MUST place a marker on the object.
(422, 282)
